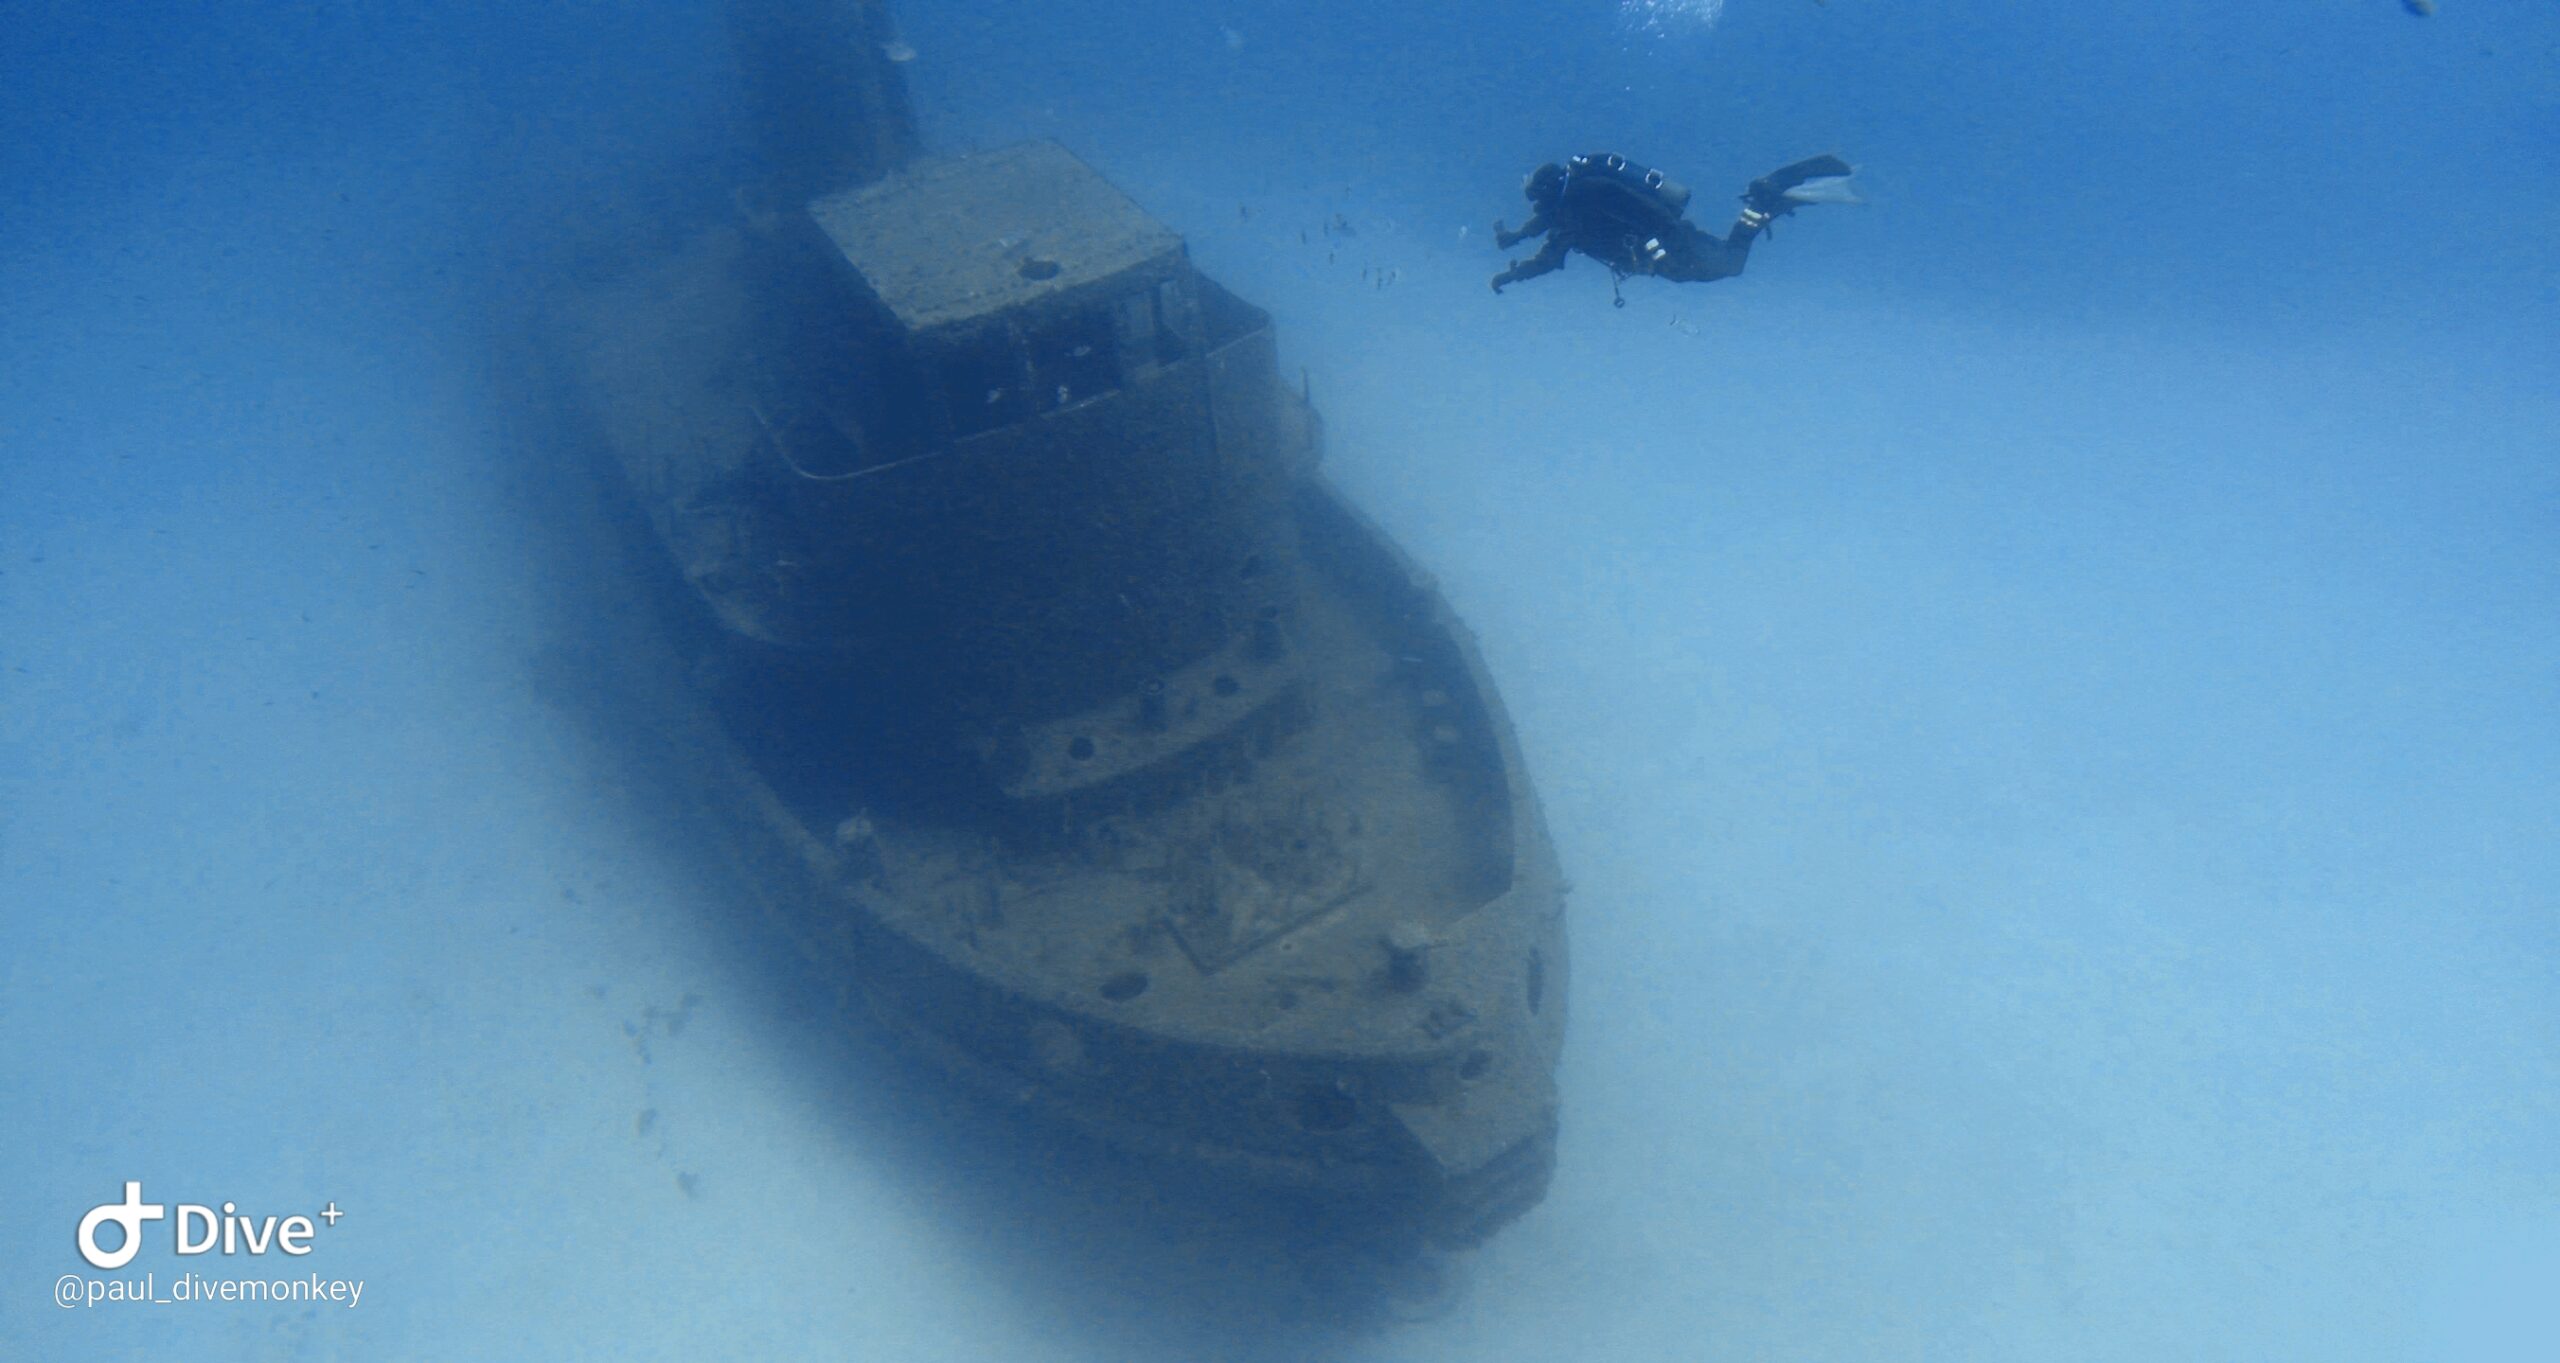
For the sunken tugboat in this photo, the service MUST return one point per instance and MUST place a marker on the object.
(1065, 712)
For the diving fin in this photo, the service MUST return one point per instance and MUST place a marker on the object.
(1814, 180)
(1824, 189)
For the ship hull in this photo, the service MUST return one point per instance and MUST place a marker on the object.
(1057, 708)
(1435, 1114)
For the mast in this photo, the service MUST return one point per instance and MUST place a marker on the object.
(827, 108)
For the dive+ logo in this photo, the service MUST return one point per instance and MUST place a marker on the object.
(199, 1229)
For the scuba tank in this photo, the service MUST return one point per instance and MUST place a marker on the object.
(1648, 192)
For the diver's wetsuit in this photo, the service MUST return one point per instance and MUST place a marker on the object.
(1630, 219)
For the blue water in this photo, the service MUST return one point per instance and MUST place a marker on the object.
(2047, 687)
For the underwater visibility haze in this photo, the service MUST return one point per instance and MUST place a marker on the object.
(2045, 687)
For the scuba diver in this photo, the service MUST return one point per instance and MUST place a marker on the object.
(1628, 217)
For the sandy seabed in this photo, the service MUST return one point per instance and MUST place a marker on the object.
(2060, 818)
